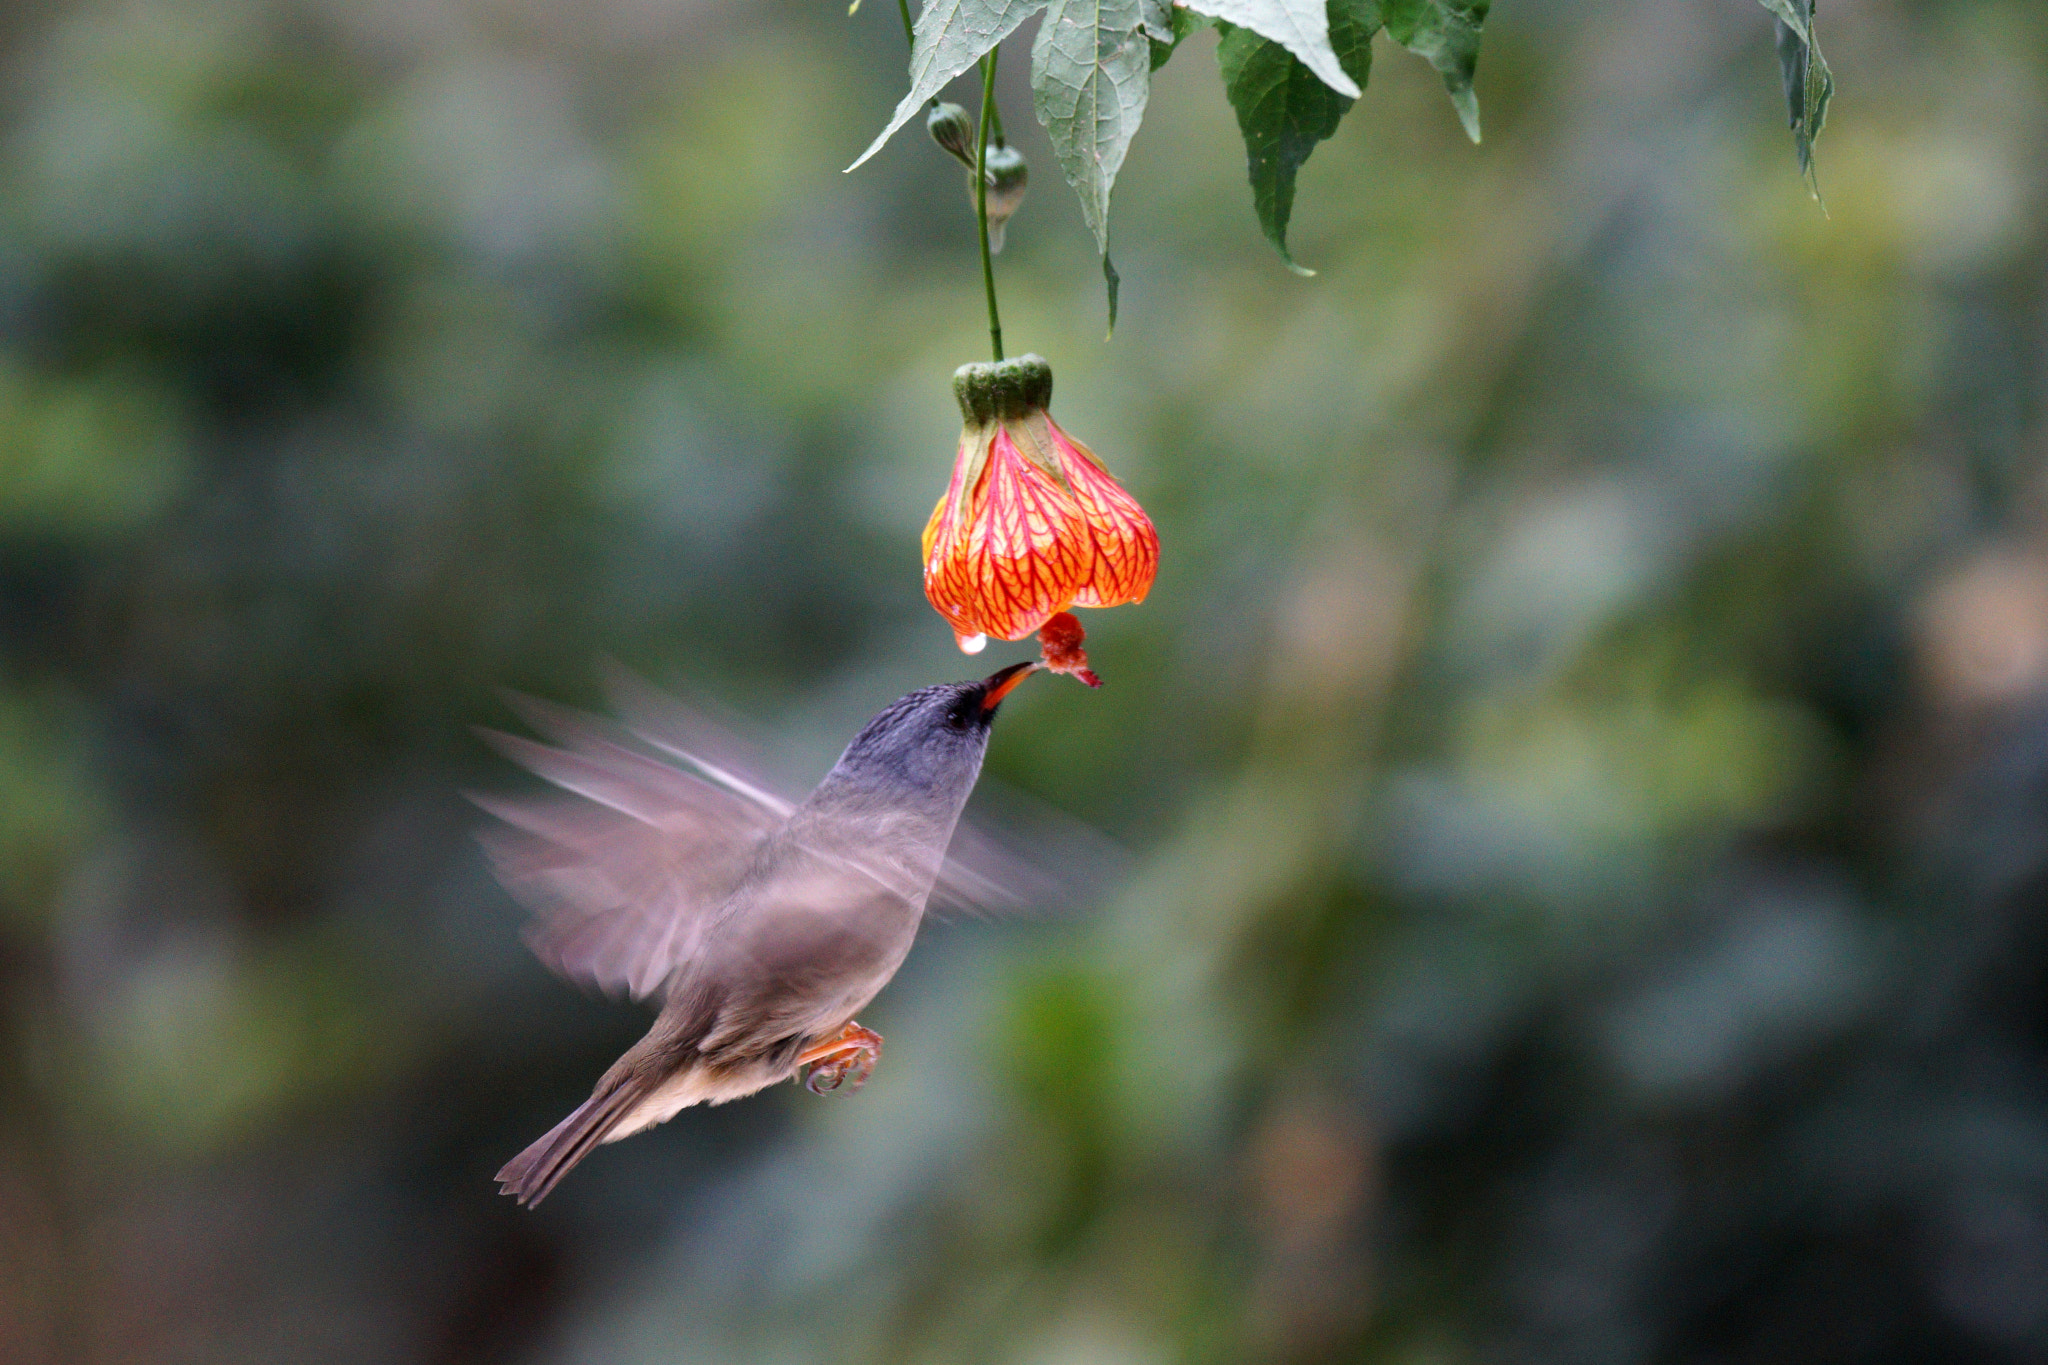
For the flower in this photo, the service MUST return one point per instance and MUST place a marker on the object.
(1032, 523)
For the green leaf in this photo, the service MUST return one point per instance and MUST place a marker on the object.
(949, 37)
(1166, 25)
(1091, 73)
(1445, 33)
(1302, 27)
(1809, 85)
(1284, 109)
(1794, 14)
(1156, 18)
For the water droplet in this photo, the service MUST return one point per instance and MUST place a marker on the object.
(972, 644)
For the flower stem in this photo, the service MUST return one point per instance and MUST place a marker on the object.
(988, 269)
(909, 34)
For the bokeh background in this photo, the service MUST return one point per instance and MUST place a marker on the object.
(1582, 774)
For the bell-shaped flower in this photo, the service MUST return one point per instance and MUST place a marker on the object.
(1032, 524)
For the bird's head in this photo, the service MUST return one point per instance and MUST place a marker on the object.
(932, 740)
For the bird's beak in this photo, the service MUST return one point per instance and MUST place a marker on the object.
(1001, 684)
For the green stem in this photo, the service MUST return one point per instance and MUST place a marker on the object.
(988, 269)
(996, 115)
(909, 33)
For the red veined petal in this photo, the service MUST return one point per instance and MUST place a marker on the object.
(1009, 553)
(1126, 544)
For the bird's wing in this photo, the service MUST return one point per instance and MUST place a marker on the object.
(656, 820)
(714, 750)
(1009, 854)
(623, 871)
(1012, 854)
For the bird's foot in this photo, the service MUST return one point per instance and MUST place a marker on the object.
(850, 1054)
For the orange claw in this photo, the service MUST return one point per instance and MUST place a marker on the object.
(851, 1052)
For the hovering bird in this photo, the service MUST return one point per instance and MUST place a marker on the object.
(764, 926)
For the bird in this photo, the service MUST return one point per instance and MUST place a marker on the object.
(763, 926)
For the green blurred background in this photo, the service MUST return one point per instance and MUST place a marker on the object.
(1584, 766)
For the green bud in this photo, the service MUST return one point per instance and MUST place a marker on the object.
(1008, 177)
(953, 129)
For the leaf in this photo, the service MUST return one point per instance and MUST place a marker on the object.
(1794, 14)
(1284, 109)
(1300, 26)
(1179, 22)
(1445, 33)
(1091, 73)
(1809, 85)
(1156, 18)
(949, 37)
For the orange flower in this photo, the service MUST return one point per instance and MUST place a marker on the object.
(1032, 523)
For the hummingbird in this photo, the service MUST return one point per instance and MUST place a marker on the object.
(764, 927)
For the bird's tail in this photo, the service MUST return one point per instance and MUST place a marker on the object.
(529, 1176)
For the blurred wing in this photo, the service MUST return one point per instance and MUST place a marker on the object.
(623, 872)
(1010, 854)
(714, 750)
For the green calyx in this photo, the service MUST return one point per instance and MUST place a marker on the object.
(1003, 390)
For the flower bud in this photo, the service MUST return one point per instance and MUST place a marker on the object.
(953, 129)
(1008, 178)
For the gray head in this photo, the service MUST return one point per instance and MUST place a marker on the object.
(930, 743)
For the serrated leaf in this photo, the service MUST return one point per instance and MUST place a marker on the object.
(949, 37)
(1284, 109)
(1444, 33)
(1809, 85)
(1091, 73)
(1300, 26)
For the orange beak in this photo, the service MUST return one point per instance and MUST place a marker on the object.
(1001, 684)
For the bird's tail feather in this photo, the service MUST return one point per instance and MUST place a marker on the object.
(529, 1176)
